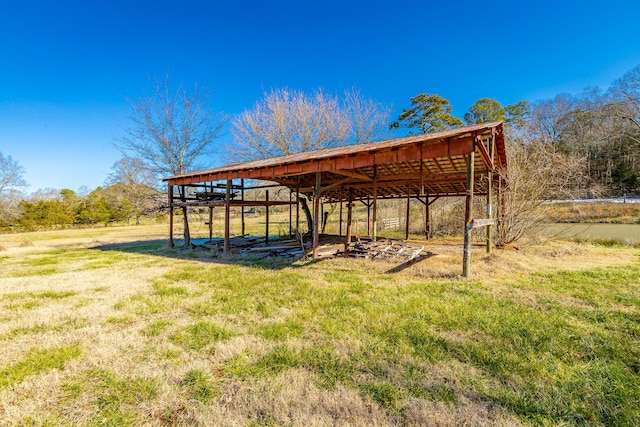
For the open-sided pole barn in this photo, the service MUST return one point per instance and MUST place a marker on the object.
(457, 162)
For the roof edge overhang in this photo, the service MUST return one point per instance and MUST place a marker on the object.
(453, 142)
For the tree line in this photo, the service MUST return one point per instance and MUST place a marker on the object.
(129, 194)
(585, 144)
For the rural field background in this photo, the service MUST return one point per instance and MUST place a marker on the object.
(110, 326)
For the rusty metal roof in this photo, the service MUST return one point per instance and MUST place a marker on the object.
(434, 161)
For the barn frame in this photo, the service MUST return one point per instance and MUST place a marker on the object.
(459, 162)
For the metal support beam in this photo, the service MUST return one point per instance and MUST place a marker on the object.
(468, 217)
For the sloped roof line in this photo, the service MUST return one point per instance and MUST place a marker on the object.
(345, 150)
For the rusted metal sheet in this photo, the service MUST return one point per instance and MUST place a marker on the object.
(436, 162)
(456, 141)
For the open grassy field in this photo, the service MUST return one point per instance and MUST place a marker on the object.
(109, 326)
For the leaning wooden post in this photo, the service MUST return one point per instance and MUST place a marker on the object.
(227, 210)
(490, 199)
(316, 216)
(406, 225)
(170, 195)
(266, 232)
(375, 202)
(347, 239)
(468, 216)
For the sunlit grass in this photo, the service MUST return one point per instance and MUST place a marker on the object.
(169, 339)
(37, 361)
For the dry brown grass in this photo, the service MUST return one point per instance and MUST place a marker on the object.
(124, 312)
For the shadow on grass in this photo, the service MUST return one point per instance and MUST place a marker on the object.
(199, 252)
(203, 253)
(409, 263)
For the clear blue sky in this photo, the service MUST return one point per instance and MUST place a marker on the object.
(66, 67)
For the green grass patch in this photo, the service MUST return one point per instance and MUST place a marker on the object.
(117, 400)
(548, 348)
(200, 335)
(37, 361)
(384, 394)
(164, 290)
(42, 328)
(199, 386)
(156, 328)
(28, 300)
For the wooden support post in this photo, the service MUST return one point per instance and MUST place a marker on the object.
(210, 222)
(227, 210)
(503, 207)
(490, 199)
(340, 227)
(421, 173)
(368, 217)
(468, 217)
(290, 214)
(427, 218)
(298, 207)
(266, 232)
(375, 202)
(185, 216)
(406, 225)
(347, 239)
(242, 207)
(170, 195)
(316, 216)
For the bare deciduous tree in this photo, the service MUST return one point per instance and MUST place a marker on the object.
(172, 130)
(368, 118)
(626, 93)
(137, 183)
(288, 121)
(536, 172)
(11, 179)
(546, 121)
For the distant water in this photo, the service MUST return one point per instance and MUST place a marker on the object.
(624, 232)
